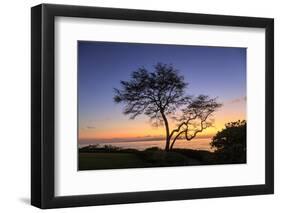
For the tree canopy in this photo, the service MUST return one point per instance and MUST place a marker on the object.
(152, 93)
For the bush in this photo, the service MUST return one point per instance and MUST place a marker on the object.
(154, 148)
(230, 143)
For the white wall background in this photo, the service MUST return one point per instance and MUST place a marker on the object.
(15, 105)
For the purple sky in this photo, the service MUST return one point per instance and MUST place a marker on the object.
(214, 71)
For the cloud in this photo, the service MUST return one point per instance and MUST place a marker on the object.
(238, 100)
(90, 127)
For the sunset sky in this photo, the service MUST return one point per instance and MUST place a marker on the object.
(214, 71)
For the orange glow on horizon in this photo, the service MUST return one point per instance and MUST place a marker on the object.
(142, 128)
(146, 131)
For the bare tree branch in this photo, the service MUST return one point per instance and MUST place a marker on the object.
(199, 109)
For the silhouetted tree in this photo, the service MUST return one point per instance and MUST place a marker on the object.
(230, 143)
(160, 94)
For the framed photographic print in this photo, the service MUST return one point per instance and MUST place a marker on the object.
(139, 106)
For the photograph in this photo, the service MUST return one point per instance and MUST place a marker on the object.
(146, 105)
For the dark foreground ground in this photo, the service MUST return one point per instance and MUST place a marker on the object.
(115, 158)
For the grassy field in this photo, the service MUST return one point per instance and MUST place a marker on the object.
(138, 159)
(89, 161)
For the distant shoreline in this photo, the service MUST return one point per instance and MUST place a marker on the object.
(136, 139)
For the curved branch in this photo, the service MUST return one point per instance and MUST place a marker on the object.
(178, 129)
(183, 123)
(202, 127)
(172, 144)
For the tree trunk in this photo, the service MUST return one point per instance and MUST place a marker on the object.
(172, 145)
(167, 132)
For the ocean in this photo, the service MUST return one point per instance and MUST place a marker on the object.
(197, 144)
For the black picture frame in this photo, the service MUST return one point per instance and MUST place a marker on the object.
(43, 102)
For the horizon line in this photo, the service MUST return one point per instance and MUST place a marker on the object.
(132, 139)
